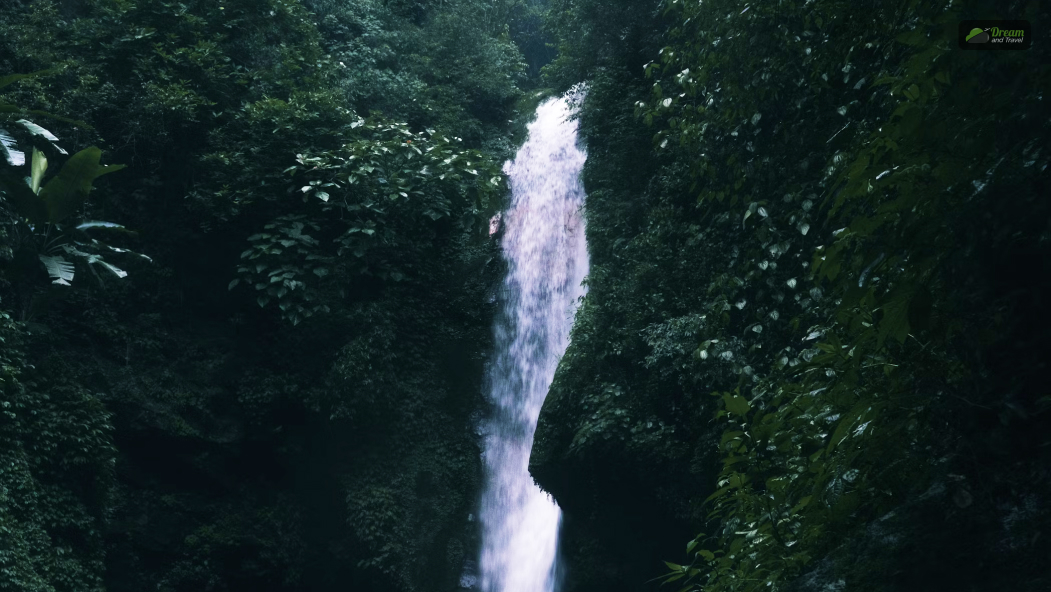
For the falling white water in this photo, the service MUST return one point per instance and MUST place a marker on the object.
(547, 255)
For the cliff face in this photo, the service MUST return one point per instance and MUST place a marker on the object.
(623, 442)
(626, 500)
(880, 425)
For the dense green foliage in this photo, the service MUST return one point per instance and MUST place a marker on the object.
(57, 456)
(811, 437)
(835, 221)
(819, 237)
(383, 200)
(311, 181)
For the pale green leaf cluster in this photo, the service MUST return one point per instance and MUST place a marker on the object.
(369, 206)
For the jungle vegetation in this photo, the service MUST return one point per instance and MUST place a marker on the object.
(820, 236)
(309, 185)
(247, 284)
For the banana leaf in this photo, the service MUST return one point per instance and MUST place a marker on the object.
(67, 190)
(38, 131)
(60, 270)
(9, 148)
(37, 170)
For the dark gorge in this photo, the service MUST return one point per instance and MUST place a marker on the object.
(523, 296)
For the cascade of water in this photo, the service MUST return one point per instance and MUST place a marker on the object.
(547, 255)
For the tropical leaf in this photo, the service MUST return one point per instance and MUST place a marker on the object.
(78, 253)
(736, 404)
(36, 130)
(120, 273)
(101, 245)
(9, 148)
(65, 193)
(895, 321)
(89, 226)
(13, 78)
(60, 270)
(99, 224)
(37, 171)
(95, 259)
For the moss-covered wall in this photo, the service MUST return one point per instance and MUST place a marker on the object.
(800, 208)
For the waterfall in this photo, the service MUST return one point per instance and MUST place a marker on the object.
(546, 252)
